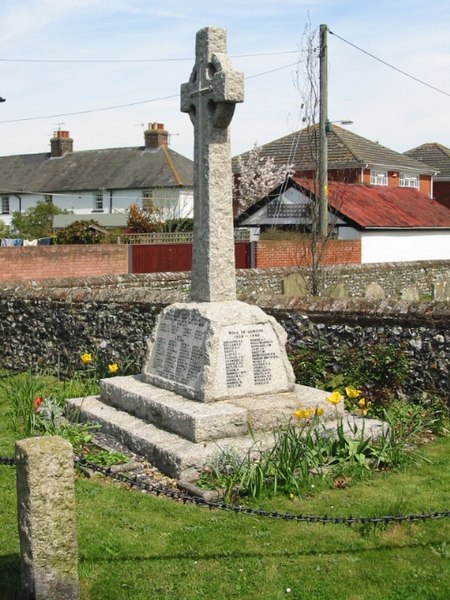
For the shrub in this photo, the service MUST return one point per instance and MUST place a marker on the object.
(309, 366)
(380, 371)
(175, 225)
(80, 232)
(144, 221)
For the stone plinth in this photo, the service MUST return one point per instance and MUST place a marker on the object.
(180, 436)
(218, 350)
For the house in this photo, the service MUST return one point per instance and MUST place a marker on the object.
(351, 159)
(438, 156)
(99, 182)
(393, 224)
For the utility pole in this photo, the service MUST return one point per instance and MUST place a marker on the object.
(323, 144)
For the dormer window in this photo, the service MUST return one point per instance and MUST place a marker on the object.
(378, 177)
(409, 180)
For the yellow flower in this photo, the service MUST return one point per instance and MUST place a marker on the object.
(113, 367)
(301, 414)
(352, 392)
(319, 411)
(86, 358)
(334, 398)
(362, 403)
(306, 413)
(362, 412)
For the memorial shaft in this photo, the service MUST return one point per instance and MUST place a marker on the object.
(210, 97)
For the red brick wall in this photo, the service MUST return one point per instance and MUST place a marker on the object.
(289, 254)
(43, 262)
(46, 262)
(425, 184)
(345, 175)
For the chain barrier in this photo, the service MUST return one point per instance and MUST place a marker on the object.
(161, 490)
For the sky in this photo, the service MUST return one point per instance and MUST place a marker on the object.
(158, 41)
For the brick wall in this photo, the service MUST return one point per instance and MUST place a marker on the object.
(42, 262)
(289, 254)
(45, 262)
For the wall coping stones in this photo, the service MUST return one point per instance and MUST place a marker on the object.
(323, 308)
(156, 279)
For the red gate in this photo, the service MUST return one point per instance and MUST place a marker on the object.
(170, 258)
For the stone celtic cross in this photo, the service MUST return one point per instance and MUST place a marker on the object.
(210, 97)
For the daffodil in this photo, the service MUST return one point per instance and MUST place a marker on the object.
(319, 411)
(301, 414)
(352, 392)
(334, 398)
(362, 403)
(86, 358)
(113, 368)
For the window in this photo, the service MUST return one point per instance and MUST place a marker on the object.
(98, 201)
(147, 201)
(5, 205)
(48, 198)
(378, 177)
(409, 180)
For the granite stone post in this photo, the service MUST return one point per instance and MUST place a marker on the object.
(47, 519)
(210, 97)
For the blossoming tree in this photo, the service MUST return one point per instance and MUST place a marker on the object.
(258, 175)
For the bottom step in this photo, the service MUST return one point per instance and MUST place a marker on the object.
(175, 456)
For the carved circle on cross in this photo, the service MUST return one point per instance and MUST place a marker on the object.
(219, 111)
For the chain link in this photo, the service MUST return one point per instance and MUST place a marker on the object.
(159, 489)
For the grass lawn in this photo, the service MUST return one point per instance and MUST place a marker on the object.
(135, 546)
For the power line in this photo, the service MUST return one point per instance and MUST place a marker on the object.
(271, 71)
(90, 110)
(116, 106)
(133, 60)
(390, 66)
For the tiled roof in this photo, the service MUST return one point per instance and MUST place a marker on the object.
(433, 154)
(346, 150)
(383, 207)
(112, 168)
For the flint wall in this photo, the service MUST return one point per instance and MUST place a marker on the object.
(49, 326)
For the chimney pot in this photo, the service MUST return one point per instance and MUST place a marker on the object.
(156, 136)
(60, 143)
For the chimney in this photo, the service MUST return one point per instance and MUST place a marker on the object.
(60, 143)
(155, 136)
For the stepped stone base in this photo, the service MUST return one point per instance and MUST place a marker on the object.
(181, 436)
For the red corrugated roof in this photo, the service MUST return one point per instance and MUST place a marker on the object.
(386, 207)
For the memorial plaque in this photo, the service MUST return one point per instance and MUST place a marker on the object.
(179, 349)
(249, 360)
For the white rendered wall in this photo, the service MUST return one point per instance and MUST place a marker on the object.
(173, 202)
(401, 246)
